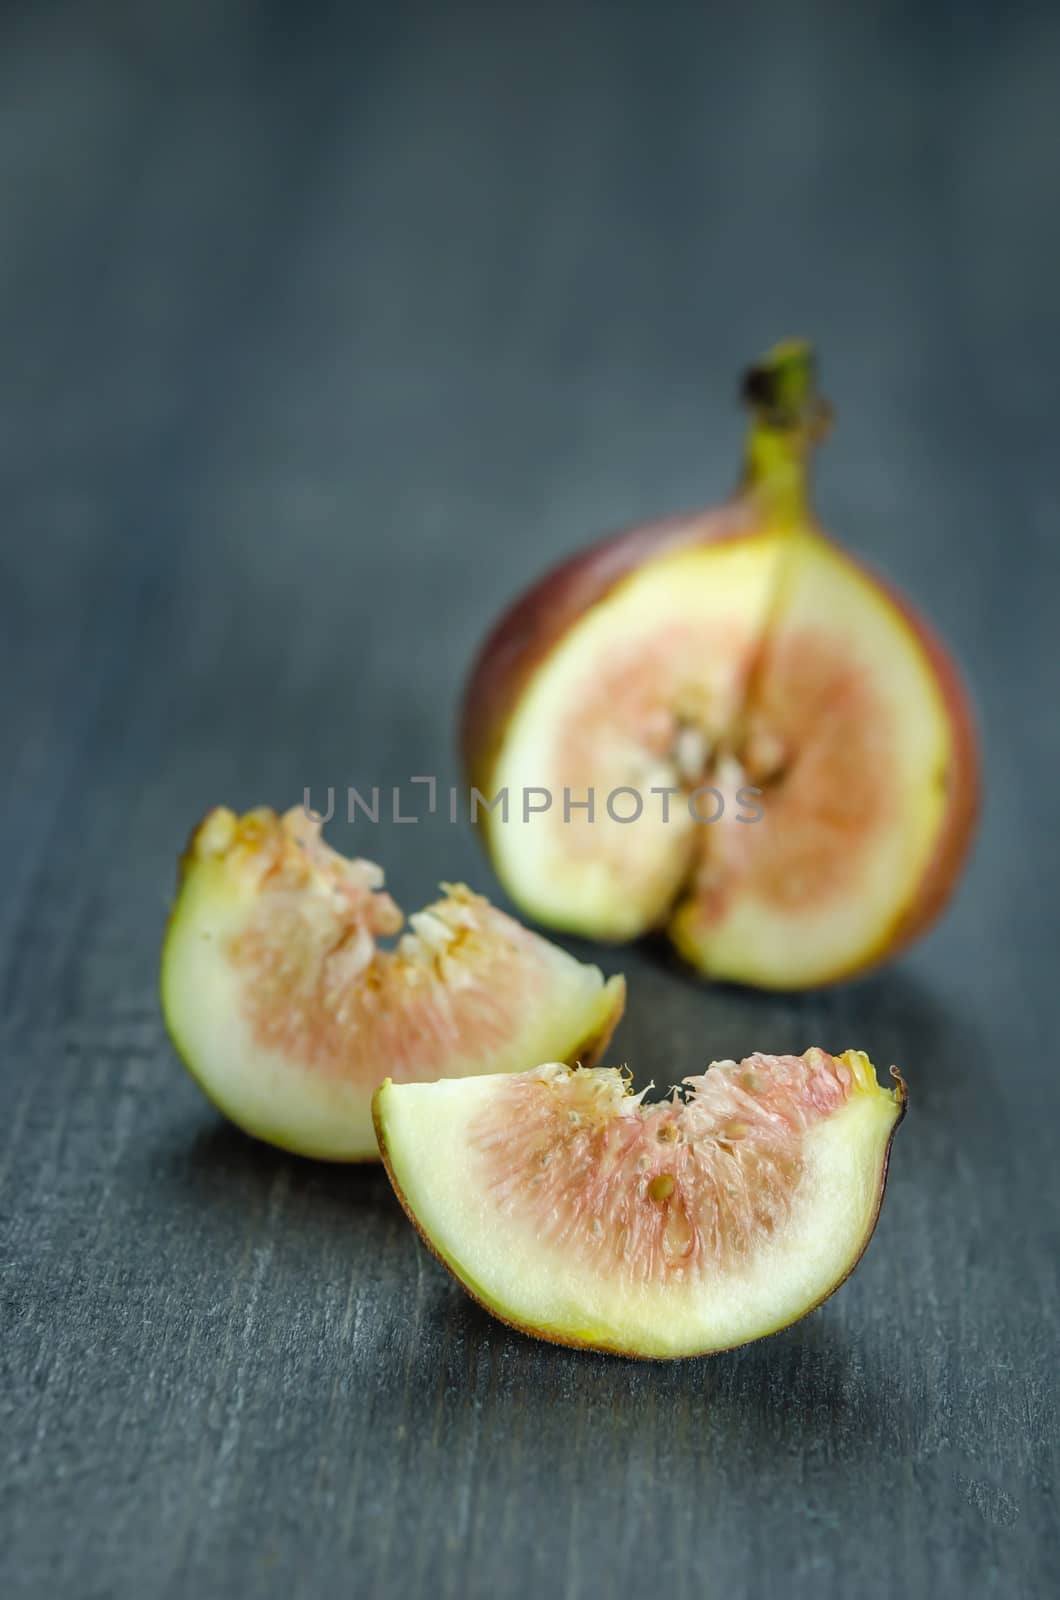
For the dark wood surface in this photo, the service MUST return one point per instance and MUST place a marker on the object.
(321, 331)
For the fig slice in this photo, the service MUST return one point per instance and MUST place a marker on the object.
(285, 1010)
(781, 756)
(576, 1213)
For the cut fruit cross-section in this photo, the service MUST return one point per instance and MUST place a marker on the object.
(289, 1016)
(577, 1213)
(780, 756)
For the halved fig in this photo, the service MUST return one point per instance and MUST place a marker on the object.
(576, 1213)
(782, 759)
(288, 1014)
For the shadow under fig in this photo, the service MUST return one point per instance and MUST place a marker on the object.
(813, 1389)
(221, 1167)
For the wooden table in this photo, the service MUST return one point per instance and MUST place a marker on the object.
(322, 330)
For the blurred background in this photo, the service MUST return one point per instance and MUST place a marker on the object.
(326, 328)
(323, 329)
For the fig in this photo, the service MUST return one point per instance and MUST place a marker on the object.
(576, 1213)
(723, 725)
(285, 1010)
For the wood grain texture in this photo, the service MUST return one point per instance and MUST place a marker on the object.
(323, 330)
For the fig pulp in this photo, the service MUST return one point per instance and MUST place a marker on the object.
(745, 737)
(576, 1213)
(289, 1015)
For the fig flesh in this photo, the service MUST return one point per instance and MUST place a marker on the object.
(288, 1014)
(578, 1214)
(797, 752)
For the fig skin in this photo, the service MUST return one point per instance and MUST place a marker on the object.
(773, 494)
(602, 1346)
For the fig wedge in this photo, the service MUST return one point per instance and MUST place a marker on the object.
(576, 1213)
(287, 1013)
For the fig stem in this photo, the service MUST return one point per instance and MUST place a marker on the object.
(789, 417)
